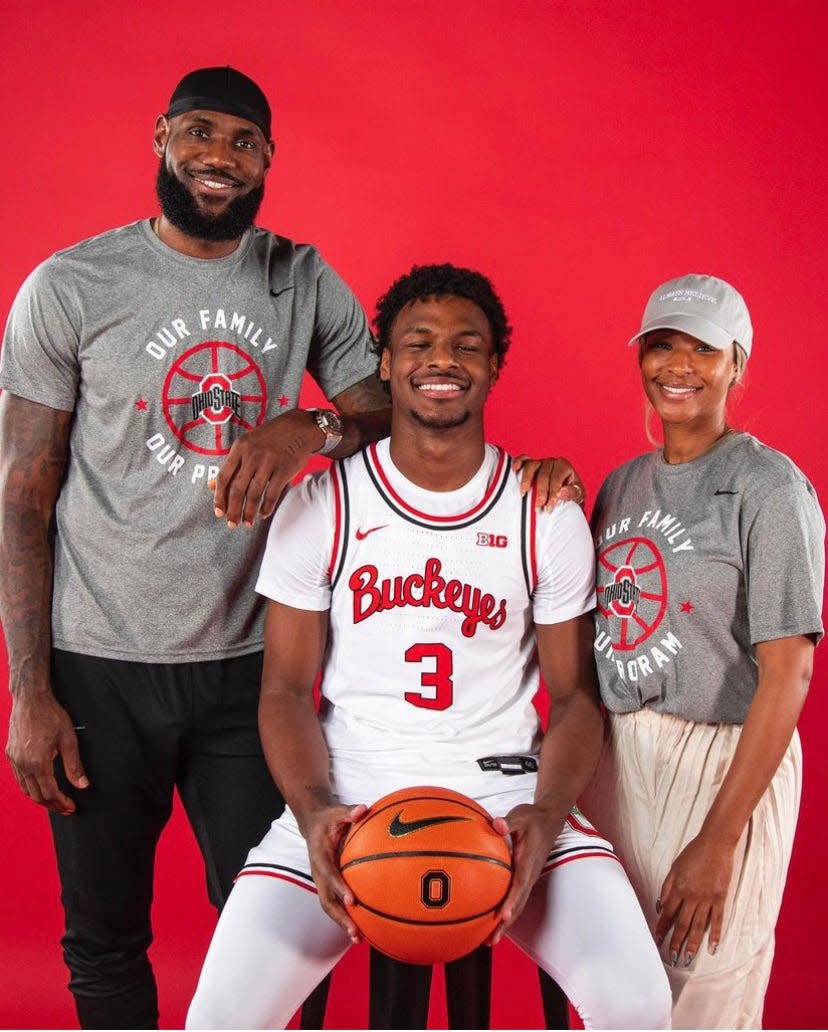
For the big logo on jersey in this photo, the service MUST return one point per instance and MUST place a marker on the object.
(212, 392)
(632, 589)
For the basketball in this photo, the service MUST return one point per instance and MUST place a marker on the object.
(428, 873)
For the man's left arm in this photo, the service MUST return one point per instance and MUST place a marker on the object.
(342, 360)
(568, 757)
(264, 461)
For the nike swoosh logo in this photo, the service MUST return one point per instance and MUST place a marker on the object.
(361, 535)
(724, 492)
(398, 828)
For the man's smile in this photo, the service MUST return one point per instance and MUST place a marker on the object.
(440, 387)
(215, 182)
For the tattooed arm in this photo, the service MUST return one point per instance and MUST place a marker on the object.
(261, 463)
(33, 452)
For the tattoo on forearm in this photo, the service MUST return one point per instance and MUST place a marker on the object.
(33, 444)
(366, 395)
(366, 407)
(298, 444)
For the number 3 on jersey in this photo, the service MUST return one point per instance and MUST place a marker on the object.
(438, 679)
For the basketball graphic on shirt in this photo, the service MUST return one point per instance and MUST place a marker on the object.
(632, 590)
(212, 392)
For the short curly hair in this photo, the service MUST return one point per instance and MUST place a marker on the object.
(425, 281)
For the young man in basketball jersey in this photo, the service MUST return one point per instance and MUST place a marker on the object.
(430, 593)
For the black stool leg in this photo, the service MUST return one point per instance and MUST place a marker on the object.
(555, 1005)
(469, 989)
(313, 1009)
(399, 993)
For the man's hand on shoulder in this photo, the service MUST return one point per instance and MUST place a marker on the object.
(261, 464)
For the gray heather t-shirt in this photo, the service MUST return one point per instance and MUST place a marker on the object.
(697, 563)
(166, 360)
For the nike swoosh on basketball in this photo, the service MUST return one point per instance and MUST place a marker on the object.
(398, 828)
(361, 535)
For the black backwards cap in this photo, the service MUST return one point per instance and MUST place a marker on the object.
(221, 89)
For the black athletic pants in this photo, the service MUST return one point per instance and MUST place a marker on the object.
(146, 729)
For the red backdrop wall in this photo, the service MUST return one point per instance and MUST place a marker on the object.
(578, 153)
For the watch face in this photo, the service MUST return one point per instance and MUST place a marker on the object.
(331, 426)
(331, 423)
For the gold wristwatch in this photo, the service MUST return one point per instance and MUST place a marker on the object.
(331, 426)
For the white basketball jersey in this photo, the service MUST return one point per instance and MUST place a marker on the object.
(431, 649)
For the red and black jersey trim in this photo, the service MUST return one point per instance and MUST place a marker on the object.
(528, 534)
(559, 857)
(491, 496)
(584, 851)
(342, 520)
(301, 879)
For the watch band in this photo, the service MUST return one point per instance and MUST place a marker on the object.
(331, 426)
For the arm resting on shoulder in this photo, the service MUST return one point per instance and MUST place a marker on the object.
(694, 892)
(263, 462)
(553, 479)
(33, 453)
(295, 747)
(568, 757)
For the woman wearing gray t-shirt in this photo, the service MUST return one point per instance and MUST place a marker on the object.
(710, 573)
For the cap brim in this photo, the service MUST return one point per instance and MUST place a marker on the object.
(693, 325)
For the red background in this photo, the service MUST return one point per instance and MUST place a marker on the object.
(579, 153)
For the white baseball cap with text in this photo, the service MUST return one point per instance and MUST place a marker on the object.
(703, 307)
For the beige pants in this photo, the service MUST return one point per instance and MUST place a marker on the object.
(655, 782)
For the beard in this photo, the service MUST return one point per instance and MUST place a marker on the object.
(180, 208)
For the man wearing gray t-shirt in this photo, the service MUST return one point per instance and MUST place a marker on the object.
(140, 366)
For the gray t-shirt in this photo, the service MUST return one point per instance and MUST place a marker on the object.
(698, 562)
(166, 360)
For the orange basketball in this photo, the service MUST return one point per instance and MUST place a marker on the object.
(428, 872)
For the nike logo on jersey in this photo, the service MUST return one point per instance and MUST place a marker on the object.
(361, 535)
(724, 493)
(398, 828)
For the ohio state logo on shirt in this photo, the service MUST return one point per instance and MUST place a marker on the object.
(212, 392)
(632, 589)
(216, 401)
(429, 588)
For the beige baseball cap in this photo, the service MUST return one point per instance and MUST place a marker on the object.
(704, 307)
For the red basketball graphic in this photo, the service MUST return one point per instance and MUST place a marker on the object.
(212, 392)
(632, 590)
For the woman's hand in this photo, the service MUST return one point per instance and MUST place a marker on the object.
(693, 898)
(553, 479)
